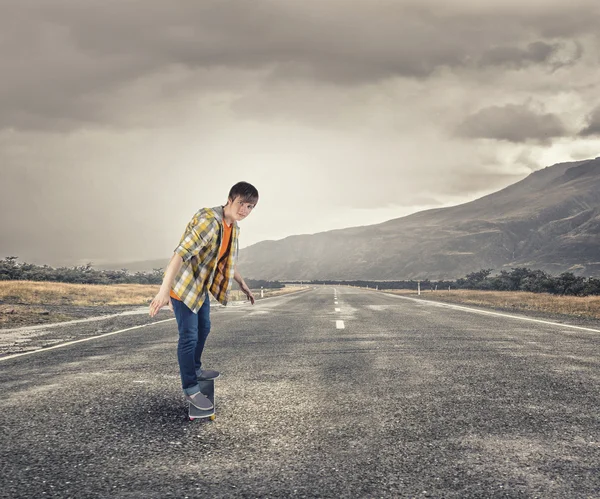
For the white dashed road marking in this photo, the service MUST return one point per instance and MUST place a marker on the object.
(339, 324)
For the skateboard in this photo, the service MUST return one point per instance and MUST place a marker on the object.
(207, 387)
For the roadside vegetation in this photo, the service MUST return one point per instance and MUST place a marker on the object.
(83, 295)
(516, 301)
(26, 303)
(28, 288)
(13, 270)
(518, 279)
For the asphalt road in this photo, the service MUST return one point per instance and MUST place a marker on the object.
(409, 399)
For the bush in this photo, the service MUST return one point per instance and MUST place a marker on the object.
(518, 279)
(84, 274)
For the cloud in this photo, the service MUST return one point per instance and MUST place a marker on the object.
(554, 55)
(593, 124)
(512, 123)
(537, 52)
(83, 53)
(110, 110)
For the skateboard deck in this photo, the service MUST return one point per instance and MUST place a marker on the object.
(207, 387)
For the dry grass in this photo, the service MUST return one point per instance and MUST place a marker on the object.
(50, 293)
(588, 306)
(26, 303)
(237, 295)
(56, 293)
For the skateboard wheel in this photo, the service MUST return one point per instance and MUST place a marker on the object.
(212, 418)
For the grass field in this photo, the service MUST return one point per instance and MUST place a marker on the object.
(587, 306)
(86, 295)
(56, 293)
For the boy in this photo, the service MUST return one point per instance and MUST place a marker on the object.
(204, 261)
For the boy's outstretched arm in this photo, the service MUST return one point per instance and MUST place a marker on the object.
(162, 298)
(240, 280)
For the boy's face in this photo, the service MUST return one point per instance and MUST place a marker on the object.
(239, 208)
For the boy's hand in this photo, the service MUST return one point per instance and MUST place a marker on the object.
(160, 300)
(248, 293)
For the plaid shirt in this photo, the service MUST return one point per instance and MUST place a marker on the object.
(201, 269)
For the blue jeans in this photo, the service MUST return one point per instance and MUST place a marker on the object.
(193, 331)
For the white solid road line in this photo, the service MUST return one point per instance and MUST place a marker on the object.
(82, 340)
(339, 324)
(499, 314)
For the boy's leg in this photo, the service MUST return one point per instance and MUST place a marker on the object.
(203, 331)
(187, 323)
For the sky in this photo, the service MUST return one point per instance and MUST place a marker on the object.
(119, 119)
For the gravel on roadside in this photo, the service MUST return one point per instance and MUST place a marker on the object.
(86, 322)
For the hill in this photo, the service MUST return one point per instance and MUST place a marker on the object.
(549, 220)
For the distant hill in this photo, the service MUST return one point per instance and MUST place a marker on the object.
(549, 220)
(137, 266)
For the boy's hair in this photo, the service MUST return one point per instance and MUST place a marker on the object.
(248, 192)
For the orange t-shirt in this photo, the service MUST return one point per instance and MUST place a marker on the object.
(222, 249)
(226, 239)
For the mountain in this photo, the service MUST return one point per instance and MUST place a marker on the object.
(549, 220)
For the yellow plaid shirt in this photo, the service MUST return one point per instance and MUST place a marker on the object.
(202, 270)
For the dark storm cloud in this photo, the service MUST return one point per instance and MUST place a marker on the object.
(534, 53)
(512, 123)
(593, 124)
(60, 59)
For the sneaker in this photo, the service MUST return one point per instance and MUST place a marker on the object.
(199, 401)
(205, 374)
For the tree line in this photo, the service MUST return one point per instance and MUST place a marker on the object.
(11, 269)
(517, 279)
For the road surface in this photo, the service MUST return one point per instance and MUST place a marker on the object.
(331, 392)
